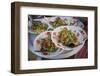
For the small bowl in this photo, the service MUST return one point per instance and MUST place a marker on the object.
(30, 23)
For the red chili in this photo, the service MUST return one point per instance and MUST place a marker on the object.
(45, 53)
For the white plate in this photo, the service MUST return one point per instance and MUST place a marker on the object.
(37, 47)
(64, 54)
(67, 54)
(68, 20)
(81, 35)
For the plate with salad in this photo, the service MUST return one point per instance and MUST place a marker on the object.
(68, 37)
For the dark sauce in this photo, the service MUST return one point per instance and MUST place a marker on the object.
(71, 45)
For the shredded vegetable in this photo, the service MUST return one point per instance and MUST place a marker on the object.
(38, 26)
(47, 45)
(58, 22)
(67, 37)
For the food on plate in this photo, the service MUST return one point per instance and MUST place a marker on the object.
(58, 22)
(38, 27)
(67, 38)
(47, 45)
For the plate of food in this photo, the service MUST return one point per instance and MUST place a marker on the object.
(44, 47)
(36, 26)
(68, 37)
(57, 21)
(63, 21)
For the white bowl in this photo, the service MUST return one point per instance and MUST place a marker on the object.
(31, 22)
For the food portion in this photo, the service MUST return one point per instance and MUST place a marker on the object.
(58, 22)
(67, 38)
(47, 45)
(38, 26)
